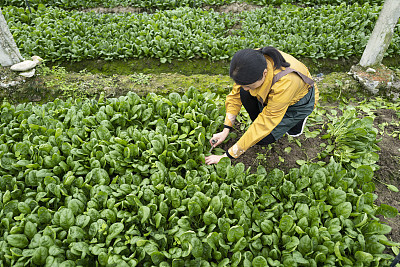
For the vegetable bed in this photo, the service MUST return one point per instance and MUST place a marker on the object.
(121, 181)
(171, 4)
(186, 33)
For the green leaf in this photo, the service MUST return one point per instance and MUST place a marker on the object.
(147, 114)
(319, 177)
(395, 250)
(302, 211)
(267, 226)
(336, 196)
(158, 219)
(157, 257)
(157, 146)
(24, 208)
(197, 246)
(259, 261)
(387, 211)
(76, 232)
(267, 199)
(222, 166)
(190, 164)
(298, 257)
(224, 263)
(288, 188)
(286, 223)
(67, 218)
(302, 183)
(301, 162)
(194, 208)
(235, 233)
(209, 218)
(212, 240)
(144, 213)
(392, 188)
(99, 176)
(43, 173)
(240, 245)
(362, 256)
(7, 162)
(275, 177)
(103, 133)
(76, 206)
(40, 255)
(175, 98)
(17, 240)
(216, 204)
(30, 229)
(344, 209)
(292, 244)
(103, 258)
(305, 245)
(236, 258)
(377, 228)
(337, 250)
(114, 230)
(364, 174)
(44, 215)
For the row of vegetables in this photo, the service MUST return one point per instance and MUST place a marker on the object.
(185, 33)
(171, 4)
(122, 181)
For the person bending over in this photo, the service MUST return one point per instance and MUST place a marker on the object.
(277, 92)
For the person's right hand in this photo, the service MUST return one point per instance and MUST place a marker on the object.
(219, 137)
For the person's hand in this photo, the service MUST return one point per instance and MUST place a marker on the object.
(214, 159)
(219, 137)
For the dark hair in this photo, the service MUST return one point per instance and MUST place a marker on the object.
(248, 65)
(277, 58)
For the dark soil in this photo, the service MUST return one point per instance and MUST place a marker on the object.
(277, 155)
(389, 172)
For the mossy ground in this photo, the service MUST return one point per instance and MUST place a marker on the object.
(114, 78)
(50, 83)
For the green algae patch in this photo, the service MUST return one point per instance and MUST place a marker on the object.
(339, 85)
(57, 82)
(148, 66)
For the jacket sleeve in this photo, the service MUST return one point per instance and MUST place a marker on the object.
(233, 104)
(278, 102)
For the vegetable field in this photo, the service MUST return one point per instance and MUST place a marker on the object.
(120, 180)
(327, 31)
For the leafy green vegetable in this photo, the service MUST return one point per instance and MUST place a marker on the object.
(55, 33)
(235, 233)
(91, 182)
(17, 240)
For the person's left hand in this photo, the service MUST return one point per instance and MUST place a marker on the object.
(214, 159)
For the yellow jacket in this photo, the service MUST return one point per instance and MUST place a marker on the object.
(284, 93)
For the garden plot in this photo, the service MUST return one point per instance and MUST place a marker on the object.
(123, 181)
